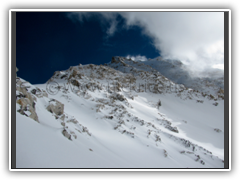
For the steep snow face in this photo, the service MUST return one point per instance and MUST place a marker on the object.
(99, 117)
(210, 81)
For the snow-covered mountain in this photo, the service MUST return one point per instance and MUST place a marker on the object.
(211, 81)
(121, 115)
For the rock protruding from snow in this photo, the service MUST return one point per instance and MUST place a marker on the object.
(55, 107)
(66, 134)
(118, 97)
(26, 100)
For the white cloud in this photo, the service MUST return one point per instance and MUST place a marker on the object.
(195, 38)
(218, 66)
(111, 30)
(137, 58)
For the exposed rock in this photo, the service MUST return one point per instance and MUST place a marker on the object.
(128, 133)
(182, 152)
(23, 90)
(174, 129)
(27, 105)
(119, 97)
(39, 93)
(64, 76)
(157, 138)
(99, 107)
(217, 130)
(114, 60)
(109, 117)
(66, 134)
(74, 73)
(198, 157)
(75, 83)
(55, 107)
(202, 162)
(165, 153)
(33, 91)
(62, 117)
(26, 101)
(200, 101)
(73, 121)
(164, 122)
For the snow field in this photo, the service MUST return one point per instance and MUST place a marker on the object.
(121, 130)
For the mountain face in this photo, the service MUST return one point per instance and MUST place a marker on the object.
(124, 114)
(211, 81)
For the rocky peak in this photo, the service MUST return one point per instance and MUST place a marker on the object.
(175, 71)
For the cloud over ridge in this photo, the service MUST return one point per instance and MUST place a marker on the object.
(195, 38)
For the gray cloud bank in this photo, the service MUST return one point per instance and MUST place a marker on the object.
(195, 38)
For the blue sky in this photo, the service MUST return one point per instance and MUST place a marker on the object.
(51, 41)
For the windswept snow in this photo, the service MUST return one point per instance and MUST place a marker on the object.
(105, 125)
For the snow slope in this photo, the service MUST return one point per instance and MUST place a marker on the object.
(91, 118)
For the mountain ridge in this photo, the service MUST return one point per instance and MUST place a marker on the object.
(210, 81)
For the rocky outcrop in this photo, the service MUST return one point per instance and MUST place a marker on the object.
(118, 97)
(39, 93)
(66, 134)
(114, 60)
(27, 105)
(26, 101)
(55, 107)
(75, 83)
(173, 129)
